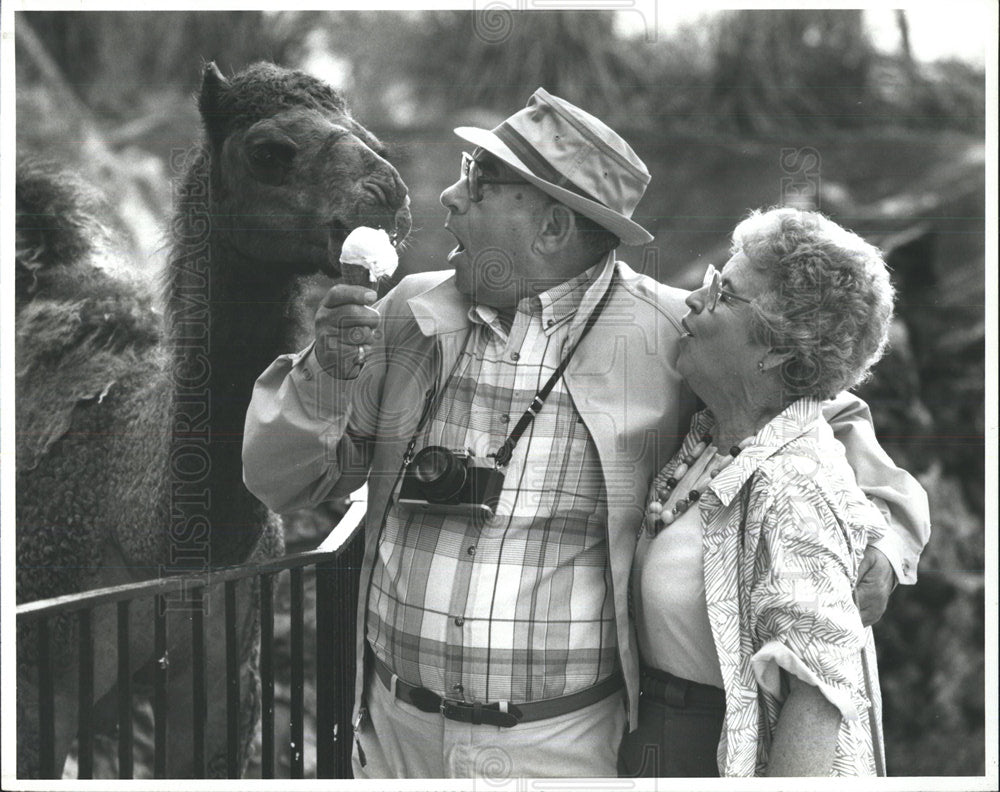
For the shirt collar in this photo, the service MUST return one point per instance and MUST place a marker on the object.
(798, 419)
(442, 309)
(563, 301)
(486, 315)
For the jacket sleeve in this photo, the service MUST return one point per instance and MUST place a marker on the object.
(897, 494)
(305, 439)
(804, 620)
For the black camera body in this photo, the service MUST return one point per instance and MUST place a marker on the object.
(441, 481)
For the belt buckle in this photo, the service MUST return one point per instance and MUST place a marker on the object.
(456, 710)
(478, 713)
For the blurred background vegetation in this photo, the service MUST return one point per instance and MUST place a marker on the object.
(730, 111)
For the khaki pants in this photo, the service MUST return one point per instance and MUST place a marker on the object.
(400, 741)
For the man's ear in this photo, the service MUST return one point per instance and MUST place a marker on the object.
(556, 229)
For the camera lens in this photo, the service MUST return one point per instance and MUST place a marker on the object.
(440, 472)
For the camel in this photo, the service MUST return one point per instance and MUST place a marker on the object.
(130, 422)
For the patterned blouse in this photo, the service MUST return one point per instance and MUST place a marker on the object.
(779, 587)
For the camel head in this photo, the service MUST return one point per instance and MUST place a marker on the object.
(292, 172)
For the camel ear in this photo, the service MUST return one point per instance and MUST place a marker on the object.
(212, 84)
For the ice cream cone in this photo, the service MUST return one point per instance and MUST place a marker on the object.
(366, 255)
(355, 274)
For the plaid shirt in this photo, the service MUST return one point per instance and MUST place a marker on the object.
(521, 608)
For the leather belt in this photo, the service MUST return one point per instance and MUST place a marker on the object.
(497, 713)
(676, 692)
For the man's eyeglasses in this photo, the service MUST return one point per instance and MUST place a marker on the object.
(713, 279)
(473, 174)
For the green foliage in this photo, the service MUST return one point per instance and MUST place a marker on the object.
(755, 73)
(776, 70)
(450, 60)
(119, 63)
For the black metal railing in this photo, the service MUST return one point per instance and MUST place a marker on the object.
(336, 564)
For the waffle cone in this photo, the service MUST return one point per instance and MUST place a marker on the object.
(355, 275)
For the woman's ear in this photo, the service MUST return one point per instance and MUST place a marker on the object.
(773, 359)
(556, 229)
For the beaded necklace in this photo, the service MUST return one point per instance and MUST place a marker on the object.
(695, 471)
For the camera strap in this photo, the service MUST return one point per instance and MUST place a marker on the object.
(506, 451)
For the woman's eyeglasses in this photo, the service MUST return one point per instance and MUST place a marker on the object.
(473, 174)
(713, 279)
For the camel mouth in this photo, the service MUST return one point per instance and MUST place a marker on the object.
(336, 234)
(396, 222)
(394, 236)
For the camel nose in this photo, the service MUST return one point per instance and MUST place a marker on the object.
(403, 221)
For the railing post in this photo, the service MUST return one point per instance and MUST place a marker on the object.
(46, 703)
(125, 769)
(232, 683)
(161, 673)
(329, 733)
(85, 705)
(298, 676)
(267, 675)
(199, 695)
(344, 626)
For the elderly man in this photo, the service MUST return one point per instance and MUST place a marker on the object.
(493, 629)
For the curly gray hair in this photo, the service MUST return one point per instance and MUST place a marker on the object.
(830, 301)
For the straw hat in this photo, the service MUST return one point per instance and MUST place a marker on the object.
(574, 157)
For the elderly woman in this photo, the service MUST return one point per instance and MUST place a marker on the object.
(755, 661)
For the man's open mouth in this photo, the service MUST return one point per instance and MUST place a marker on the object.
(459, 248)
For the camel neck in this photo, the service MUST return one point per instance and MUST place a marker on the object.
(224, 309)
(227, 320)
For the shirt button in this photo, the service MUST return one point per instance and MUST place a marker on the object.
(472, 550)
(550, 322)
(504, 418)
(307, 374)
(459, 621)
(457, 688)
(515, 356)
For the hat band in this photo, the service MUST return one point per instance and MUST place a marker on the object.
(536, 163)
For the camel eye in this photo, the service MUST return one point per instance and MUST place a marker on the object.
(273, 153)
(270, 161)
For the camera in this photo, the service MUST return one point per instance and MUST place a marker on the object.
(441, 481)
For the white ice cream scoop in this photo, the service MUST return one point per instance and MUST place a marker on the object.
(367, 255)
